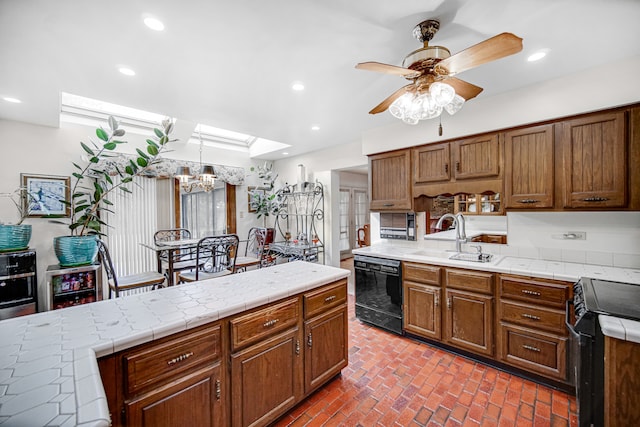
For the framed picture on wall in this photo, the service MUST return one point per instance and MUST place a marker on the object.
(45, 195)
(250, 192)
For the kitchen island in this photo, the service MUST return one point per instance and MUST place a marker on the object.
(49, 372)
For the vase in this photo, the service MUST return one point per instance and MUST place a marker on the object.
(14, 237)
(74, 251)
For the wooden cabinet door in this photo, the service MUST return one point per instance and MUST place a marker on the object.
(422, 310)
(431, 163)
(594, 161)
(326, 347)
(390, 181)
(528, 164)
(194, 400)
(469, 321)
(266, 380)
(476, 157)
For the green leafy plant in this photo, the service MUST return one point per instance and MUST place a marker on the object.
(263, 199)
(95, 182)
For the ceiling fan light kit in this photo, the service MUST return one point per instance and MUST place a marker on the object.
(431, 69)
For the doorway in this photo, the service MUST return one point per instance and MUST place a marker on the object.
(354, 213)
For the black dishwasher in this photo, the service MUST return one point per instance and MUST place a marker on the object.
(379, 292)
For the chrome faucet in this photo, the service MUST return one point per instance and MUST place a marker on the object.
(458, 222)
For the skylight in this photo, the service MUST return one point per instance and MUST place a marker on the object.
(231, 140)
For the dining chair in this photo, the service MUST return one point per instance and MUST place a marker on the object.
(363, 234)
(146, 281)
(215, 256)
(182, 259)
(256, 250)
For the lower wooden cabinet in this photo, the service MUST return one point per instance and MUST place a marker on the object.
(326, 347)
(469, 321)
(266, 379)
(166, 406)
(422, 310)
(244, 370)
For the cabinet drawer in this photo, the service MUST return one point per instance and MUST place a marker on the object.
(169, 359)
(533, 351)
(255, 326)
(325, 298)
(470, 280)
(534, 290)
(533, 316)
(422, 273)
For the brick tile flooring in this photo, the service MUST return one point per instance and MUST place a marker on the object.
(396, 381)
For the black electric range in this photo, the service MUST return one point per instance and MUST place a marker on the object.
(591, 298)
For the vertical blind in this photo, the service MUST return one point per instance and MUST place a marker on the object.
(133, 221)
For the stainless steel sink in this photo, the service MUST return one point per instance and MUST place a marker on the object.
(472, 256)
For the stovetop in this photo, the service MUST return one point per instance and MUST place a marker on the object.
(612, 298)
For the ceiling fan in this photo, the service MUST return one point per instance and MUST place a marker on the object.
(431, 70)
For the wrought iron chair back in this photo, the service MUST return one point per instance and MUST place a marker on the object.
(215, 256)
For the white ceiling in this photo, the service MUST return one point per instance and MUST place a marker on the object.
(230, 64)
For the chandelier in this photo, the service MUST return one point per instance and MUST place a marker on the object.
(206, 179)
(426, 101)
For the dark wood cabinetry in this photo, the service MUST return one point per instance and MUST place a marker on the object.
(529, 167)
(532, 334)
(472, 165)
(390, 181)
(469, 316)
(243, 370)
(594, 161)
(422, 298)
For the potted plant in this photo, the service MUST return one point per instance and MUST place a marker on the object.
(94, 183)
(263, 199)
(16, 236)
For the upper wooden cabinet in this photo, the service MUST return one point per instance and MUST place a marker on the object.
(390, 181)
(470, 165)
(594, 161)
(528, 176)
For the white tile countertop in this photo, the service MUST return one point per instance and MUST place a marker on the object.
(624, 329)
(48, 361)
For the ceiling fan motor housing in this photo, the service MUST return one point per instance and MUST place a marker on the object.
(424, 59)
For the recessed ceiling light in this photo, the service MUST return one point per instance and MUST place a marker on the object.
(127, 71)
(284, 153)
(13, 100)
(315, 127)
(297, 86)
(154, 23)
(536, 56)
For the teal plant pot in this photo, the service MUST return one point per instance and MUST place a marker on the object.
(14, 237)
(73, 251)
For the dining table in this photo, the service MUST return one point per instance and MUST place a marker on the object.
(171, 251)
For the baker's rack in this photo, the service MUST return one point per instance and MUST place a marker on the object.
(301, 214)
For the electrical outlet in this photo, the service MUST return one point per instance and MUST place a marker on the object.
(571, 235)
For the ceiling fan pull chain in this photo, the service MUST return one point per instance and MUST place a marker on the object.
(440, 126)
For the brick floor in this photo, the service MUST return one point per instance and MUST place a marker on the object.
(396, 381)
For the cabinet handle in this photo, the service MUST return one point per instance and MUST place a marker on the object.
(446, 168)
(528, 201)
(309, 340)
(528, 292)
(218, 390)
(530, 316)
(531, 348)
(595, 199)
(388, 205)
(449, 302)
(297, 347)
(180, 358)
(330, 298)
(436, 299)
(457, 166)
(269, 323)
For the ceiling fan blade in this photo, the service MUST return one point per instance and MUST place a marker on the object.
(379, 67)
(462, 88)
(387, 102)
(496, 47)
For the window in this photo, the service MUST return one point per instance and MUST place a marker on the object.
(205, 213)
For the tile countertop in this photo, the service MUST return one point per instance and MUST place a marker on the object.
(48, 361)
(624, 329)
